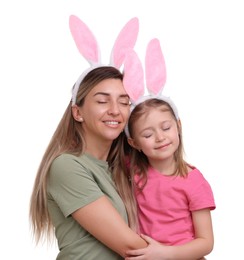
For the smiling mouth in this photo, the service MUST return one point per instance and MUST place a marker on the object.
(111, 122)
(162, 146)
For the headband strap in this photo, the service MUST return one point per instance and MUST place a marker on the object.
(155, 77)
(89, 49)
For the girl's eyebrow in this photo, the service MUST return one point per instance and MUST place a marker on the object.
(150, 127)
(146, 129)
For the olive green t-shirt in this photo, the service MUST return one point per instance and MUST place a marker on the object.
(73, 183)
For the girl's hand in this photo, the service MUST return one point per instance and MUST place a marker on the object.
(154, 251)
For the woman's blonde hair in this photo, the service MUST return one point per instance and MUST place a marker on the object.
(68, 138)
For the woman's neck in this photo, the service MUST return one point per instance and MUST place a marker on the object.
(99, 151)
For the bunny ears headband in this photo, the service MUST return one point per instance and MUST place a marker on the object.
(89, 49)
(155, 77)
(122, 52)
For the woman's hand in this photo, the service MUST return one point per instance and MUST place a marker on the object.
(199, 247)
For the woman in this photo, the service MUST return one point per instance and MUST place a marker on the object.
(74, 193)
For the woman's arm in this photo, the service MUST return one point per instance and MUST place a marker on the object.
(103, 221)
(201, 246)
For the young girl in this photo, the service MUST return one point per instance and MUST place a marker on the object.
(173, 198)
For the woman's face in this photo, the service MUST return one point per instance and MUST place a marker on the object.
(105, 112)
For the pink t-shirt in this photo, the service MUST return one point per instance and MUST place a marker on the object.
(166, 202)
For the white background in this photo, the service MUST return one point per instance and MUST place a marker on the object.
(203, 47)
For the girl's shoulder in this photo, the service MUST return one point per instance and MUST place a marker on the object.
(192, 169)
(196, 177)
(194, 172)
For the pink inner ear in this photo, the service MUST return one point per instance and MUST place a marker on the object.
(84, 39)
(155, 68)
(133, 76)
(125, 41)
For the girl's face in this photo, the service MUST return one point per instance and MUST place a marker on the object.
(156, 134)
(105, 112)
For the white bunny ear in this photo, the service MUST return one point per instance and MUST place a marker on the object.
(155, 68)
(85, 40)
(133, 76)
(125, 41)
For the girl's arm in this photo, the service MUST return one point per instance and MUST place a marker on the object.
(103, 221)
(201, 246)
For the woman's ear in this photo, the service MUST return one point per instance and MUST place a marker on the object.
(77, 113)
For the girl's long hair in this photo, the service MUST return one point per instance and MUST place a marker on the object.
(138, 162)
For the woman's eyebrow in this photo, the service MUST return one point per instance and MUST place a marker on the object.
(125, 95)
(101, 93)
(107, 94)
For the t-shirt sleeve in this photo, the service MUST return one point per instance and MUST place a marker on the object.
(200, 193)
(71, 185)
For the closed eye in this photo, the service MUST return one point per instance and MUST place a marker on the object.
(124, 101)
(166, 128)
(147, 136)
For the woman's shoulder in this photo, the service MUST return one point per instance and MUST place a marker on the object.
(68, 157)
(64, 159)
(78, 162)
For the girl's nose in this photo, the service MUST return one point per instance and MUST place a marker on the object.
(159, 136)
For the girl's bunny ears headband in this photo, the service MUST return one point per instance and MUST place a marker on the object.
(88, 46)
(155, 75)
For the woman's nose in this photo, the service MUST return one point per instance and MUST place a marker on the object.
(113, 108)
